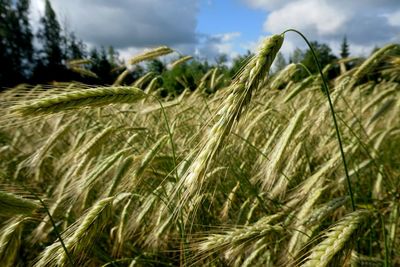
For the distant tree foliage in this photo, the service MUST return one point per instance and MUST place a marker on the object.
(16, 50)
(48, 61)
(297, 56)
(55, 48)
(280, 62)
(105, 64)
(238, 62)
(344, 48)
(51, 38)
(76, 49)
(156, 66)
(221, 60)
(323, 53)
(184, 76)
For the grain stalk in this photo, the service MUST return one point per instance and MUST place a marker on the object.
(240, 95)
(338, 136)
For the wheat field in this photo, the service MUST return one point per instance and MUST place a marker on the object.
(249, 175)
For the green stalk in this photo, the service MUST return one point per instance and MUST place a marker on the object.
(180, 223)
(386, 263)
(71, 262)
(325, 86)
(305, 68)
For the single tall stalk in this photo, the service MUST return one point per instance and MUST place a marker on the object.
(53, 223)
(325, 86)
(181, 225)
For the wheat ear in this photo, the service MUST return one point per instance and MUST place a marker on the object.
(299, 88)
(372, 61)
(335, 239)
(272, 170)
(239, 96)
(10, 241)
(142, 80)
(153, 53)
(147, 55)
(81, 98)
(76, 65)
(236, 238)
(11, 204)
(179, 61)
(95, 142)
(284, 76)
(79, 236)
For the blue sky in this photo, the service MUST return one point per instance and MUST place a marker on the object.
(207, 28)
(222, 16)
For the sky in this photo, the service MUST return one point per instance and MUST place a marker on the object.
(208, 28)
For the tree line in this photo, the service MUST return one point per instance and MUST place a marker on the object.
(43, 56)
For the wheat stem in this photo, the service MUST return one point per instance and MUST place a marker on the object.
(338, 136)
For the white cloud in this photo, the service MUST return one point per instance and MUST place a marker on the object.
(130, 26)
(306, 15)
(211, 46)
(394, 18)
(129, 52)
(227, 37)
(276, 4)
(267, 4)
(366, 23)
(133, 26)
(124, 23)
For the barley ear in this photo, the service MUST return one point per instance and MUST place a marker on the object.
(79, 237)
(248, 80)
(180, 61)
(372, 61)
(10, 241)
(358, 260)
(336, 239)
(93, 97)
(11, 205)
(156, 52)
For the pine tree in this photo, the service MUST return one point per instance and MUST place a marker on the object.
(344, 50)
(51, 39)
(101, 65)
(113, 57)
(5, 7)
(24, 38)
(76, 49)
(16, 50)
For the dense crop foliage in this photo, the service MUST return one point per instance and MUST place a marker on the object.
(250, 175)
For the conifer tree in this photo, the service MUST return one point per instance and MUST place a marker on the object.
(76, 49)
(5, 6)
(344, 50)
(51, 39)
(24, 37)
(16, 50)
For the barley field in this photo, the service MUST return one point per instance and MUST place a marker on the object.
(247, 172)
